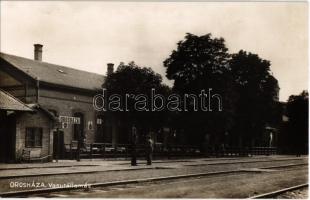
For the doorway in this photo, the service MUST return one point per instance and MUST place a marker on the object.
(7, 136)
(58, 145)
(78, 129)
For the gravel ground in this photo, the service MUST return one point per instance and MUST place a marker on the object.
(107, 176)
(172, 168)
(296, 194)
(225, 186)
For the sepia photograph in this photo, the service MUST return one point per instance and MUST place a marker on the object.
(154, 99)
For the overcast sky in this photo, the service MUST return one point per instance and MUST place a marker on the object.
(87, 35)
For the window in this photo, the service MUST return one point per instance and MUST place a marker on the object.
(33, 137)
(99, 121)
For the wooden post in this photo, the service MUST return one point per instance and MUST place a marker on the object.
(115, 150)
(103, 150)
(58, 150)
(91, 151)
(79, 147)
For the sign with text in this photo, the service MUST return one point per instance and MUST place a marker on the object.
(69, 120)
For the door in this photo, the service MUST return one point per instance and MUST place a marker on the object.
(7, 137)
(58, 145)
(78, 129)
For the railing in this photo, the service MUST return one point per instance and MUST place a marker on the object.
(109, 150)
(244, 151)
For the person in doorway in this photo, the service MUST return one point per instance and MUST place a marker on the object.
(149, 150)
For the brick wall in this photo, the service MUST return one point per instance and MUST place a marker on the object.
(38, 119)
(67, 103)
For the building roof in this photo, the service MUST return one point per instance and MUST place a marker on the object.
(8, 102)
(37, 107)
(55, 74)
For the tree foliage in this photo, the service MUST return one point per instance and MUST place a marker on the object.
(244, 80)
(257, 92)
(132, 79)
(198, 61)
(297, 111)
(201, 63)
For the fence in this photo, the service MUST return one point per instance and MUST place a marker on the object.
(245, 151)
(108, 150)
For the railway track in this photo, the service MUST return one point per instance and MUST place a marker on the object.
(25, 193)
(51, 190)
(276, 193)
(123, 185)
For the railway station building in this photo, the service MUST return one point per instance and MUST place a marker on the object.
(47, 92)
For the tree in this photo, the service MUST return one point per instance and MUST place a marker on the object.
(297, 111)
(130, 79)
(257, 91)
(200, 63)
(244, 80)
(196, 58)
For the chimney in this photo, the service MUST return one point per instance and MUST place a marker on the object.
(110, 69)
(38, 52)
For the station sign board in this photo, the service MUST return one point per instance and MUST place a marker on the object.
(69, 120)
(64, 121)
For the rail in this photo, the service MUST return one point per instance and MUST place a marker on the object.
(278, 192)
(26, 193)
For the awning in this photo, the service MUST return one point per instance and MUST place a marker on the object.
(36, 107)
(9, 102)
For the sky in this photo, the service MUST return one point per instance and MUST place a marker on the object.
(89, 34)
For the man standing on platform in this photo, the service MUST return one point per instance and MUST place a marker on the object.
(149, 150)
(134, 141)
